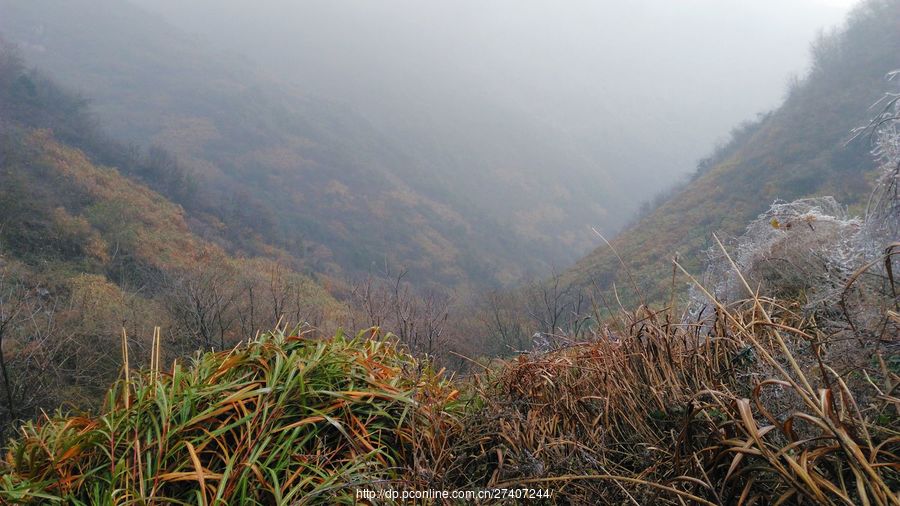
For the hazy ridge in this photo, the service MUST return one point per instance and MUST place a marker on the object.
(803, 148)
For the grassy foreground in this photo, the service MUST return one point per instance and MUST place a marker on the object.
(753, 404)
(278, 420)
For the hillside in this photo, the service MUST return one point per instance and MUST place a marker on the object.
(87, 253)
(798, 150)
(303, 174)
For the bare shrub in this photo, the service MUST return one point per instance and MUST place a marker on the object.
(418, 319)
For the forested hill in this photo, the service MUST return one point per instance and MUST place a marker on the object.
(310, 176)
(88, 251)
(800, 149)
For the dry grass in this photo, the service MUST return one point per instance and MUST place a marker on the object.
(754, 403)
(690, 413)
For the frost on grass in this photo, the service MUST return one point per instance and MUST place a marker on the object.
(812, 250)
(805, 247)
(883, 211)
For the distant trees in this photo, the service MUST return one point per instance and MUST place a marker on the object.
(201, 302)
(561, 311)
(505, 324)
(419, 320)
(220, 301)
(250, 222)
(29, 98)
(738, 137)
(162, 172)
(542, 315)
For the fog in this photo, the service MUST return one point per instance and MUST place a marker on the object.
(637, 91)
(493, 134)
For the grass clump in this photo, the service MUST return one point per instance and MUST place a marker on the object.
(283, 419)
(754, 405)
(750, 402)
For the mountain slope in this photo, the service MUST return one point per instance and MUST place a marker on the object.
(338, 195)
(87, 253)
(799, 150)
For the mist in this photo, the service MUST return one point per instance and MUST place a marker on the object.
(504, 130)
(633, 92)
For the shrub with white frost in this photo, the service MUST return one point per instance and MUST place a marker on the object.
(812, 250)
